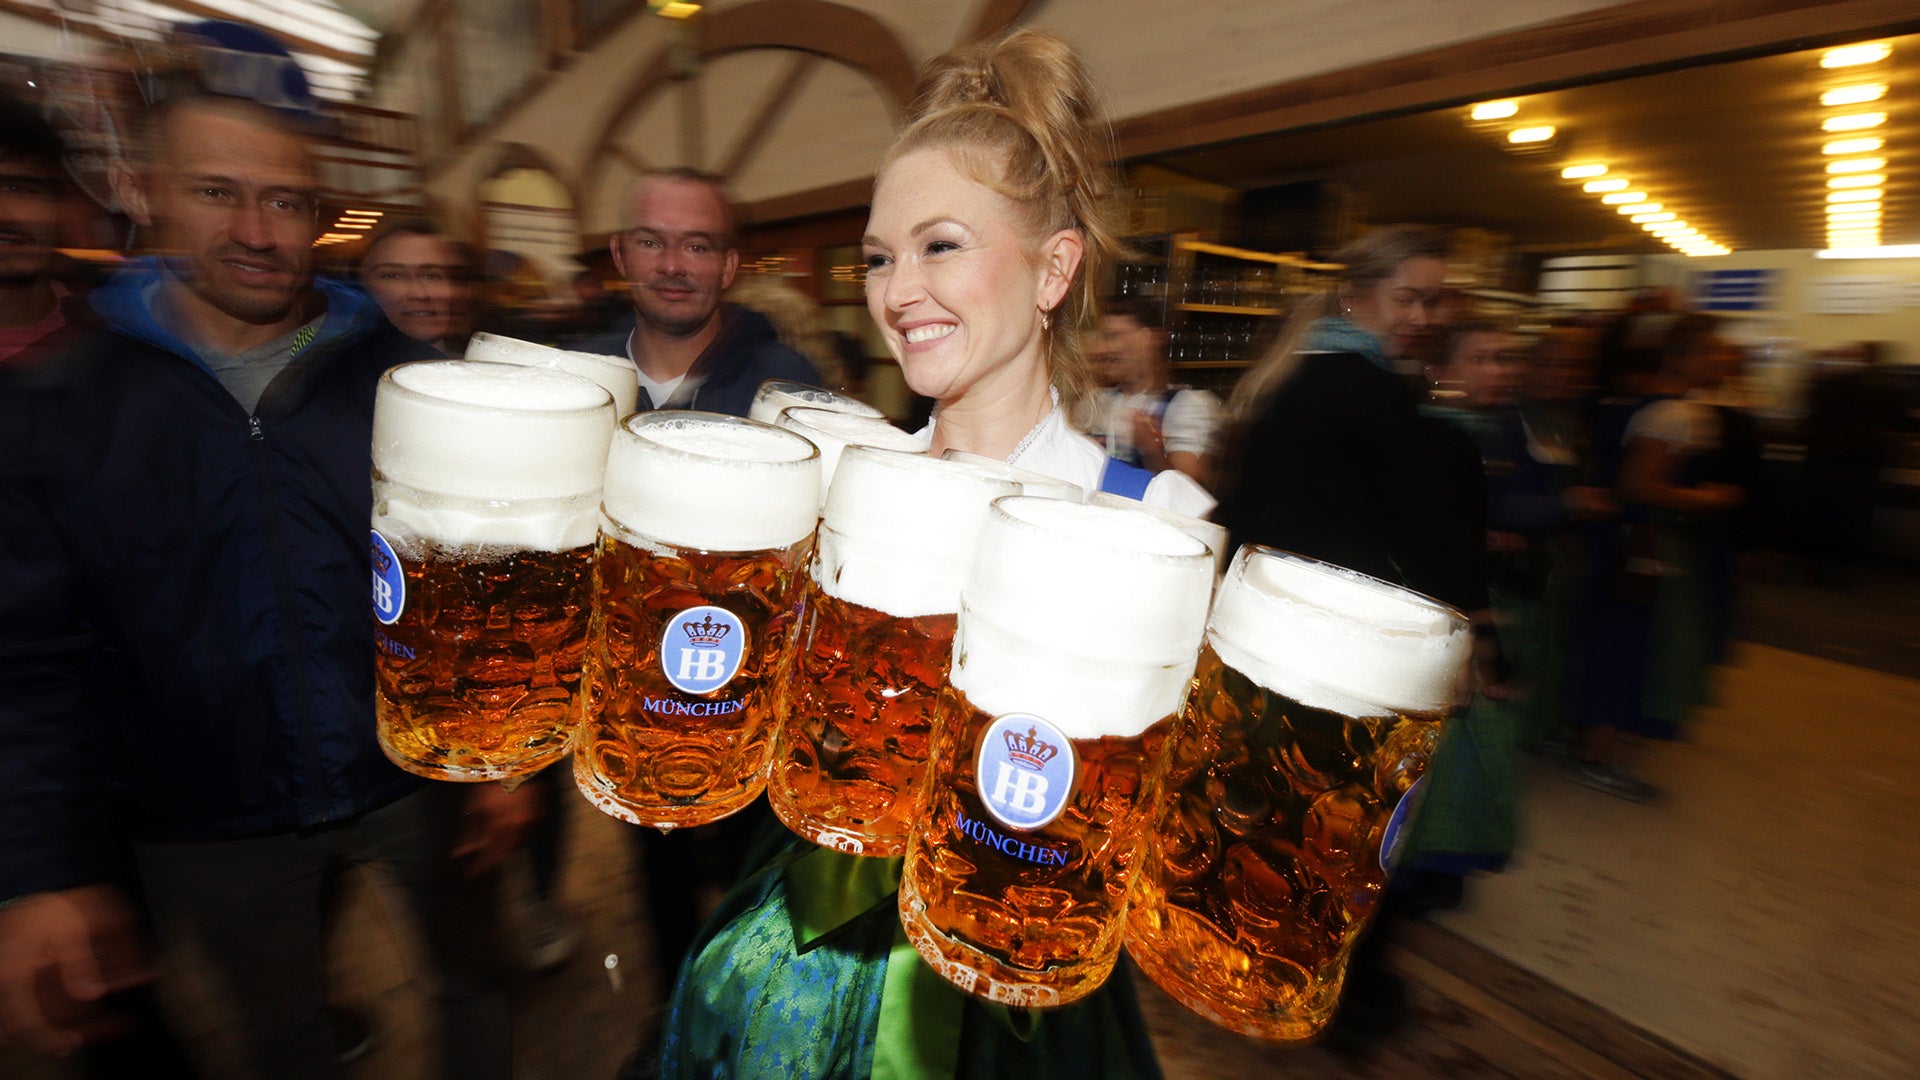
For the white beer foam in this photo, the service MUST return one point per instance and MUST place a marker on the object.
(1089, 616)
(615, 373)
(778, 395)
(712, 482)
(533, 525)
(1037, 484)
(1334, 639)
(833, 432)
(1208, 533)
(490, 453)
(901, 530)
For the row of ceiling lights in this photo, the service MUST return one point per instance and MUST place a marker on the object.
(1614, 191)
(1856, 175)
(353, 225)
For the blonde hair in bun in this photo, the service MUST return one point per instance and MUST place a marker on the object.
(1023, 117)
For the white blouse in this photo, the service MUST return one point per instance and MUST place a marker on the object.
(1054, 449)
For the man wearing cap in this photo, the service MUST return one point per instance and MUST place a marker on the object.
(186, 655)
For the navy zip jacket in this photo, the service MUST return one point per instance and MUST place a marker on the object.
(186, 646)
(747, 353)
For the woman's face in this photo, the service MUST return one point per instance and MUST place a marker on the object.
(954, 285)
(1395, 308)
(1484, 371)
(417, 281)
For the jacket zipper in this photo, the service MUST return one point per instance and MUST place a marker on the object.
(313, 803)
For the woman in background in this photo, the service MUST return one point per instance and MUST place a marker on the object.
(1327, 456)
(423, 279)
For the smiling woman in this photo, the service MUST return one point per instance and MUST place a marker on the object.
(991, 215)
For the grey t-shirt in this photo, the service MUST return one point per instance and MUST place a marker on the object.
(245, 374)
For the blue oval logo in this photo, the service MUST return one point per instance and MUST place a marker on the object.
(1025, 770)
(389, 582)
(701, 649)
(1395, 833)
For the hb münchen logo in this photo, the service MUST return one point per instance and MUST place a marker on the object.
(1024, 770)
(701, 649)
(389, 582)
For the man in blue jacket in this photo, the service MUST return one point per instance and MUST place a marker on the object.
(186, 656)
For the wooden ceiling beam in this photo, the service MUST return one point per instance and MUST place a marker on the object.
(1611, 42)
(994, 16)
(775, 105)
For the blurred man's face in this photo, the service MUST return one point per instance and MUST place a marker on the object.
(676, 255)
(29, 220)
(1124, 355)
(419, 282)
(234, 204)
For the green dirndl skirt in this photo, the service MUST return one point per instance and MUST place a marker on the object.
(805, 974)
(1466, 818)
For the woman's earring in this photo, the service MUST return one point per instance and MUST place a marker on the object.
(1046, 319)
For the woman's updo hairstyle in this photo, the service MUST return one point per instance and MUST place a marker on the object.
(1021, 115)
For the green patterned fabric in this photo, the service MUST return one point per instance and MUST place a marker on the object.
(1472, 786)
(805, 974)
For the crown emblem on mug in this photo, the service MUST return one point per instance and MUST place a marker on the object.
(1029, 749)
(382, 562)
(706, 632)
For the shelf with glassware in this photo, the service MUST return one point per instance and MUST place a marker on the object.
(1217, 302)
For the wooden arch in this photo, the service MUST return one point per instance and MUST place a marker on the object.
(817, 29)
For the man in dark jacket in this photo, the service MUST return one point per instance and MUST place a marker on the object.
(186, 653)
(678, 256)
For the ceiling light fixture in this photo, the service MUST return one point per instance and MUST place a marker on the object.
(1622, 198)
(1527, 135)
(1862, 195)
(1866, 145)
(1582, 172)
(1499, 110)
(1595, 187)
(1869, 180)
(1653, 219)
(1857, 165)
(1846, 213)
(1853, 121)
(1854, 55)
(1640, 208)
(1891, 251)
(1853, 95)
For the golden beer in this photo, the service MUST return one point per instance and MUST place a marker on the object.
(1035, 913)
(1315, 707)
(851, 768)
(875, 639)
(1076, 639)
(706, 525)
(655, 752)
(485, 485)
(478, 678)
